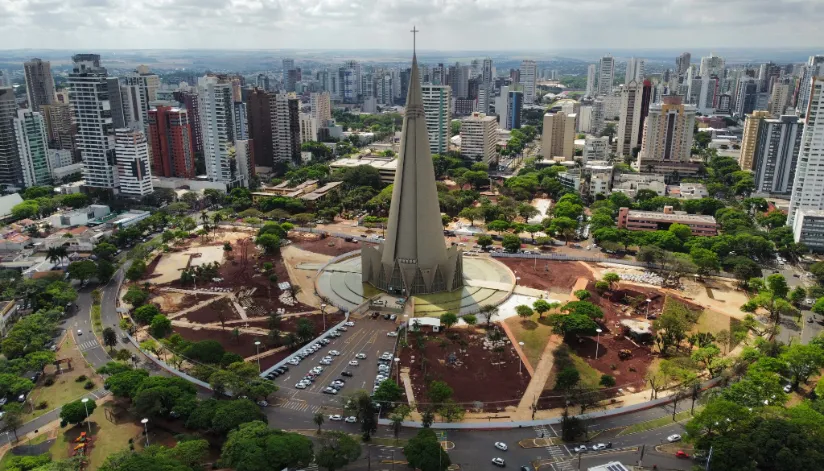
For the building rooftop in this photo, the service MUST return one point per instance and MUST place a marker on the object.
(385, 163)
(320, 192)
(679, 216)
(816, 213)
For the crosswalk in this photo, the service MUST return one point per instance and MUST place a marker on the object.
(300, 406)
(556, 452)
(88, 345)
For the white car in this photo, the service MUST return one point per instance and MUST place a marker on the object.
(788, 388)
(580, 449)
(262, 403)
(499, 462)
(599, 446)
(501, 446)
(326, 362)
(335, 417)
(392, 334)
(350, 324)
(79, 332)
(674, 438)
(300, 385)
(361, 356)
(351, 419)
(343, 328)
(334, 353)
(353, 363)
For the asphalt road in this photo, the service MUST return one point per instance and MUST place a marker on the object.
(367, 336)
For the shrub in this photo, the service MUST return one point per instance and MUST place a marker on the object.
(89, 384)
(80, 379)
(607, 381)
(48, 381)
(42, 405)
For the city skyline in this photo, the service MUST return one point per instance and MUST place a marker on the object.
(313, 24)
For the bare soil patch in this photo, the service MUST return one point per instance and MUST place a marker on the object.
(243, 346)
(477, 374)
(171, 302)
(547, 275)
(290, 324)
(333, 246)
(211, 313)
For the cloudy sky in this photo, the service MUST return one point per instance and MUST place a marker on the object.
(384, 24)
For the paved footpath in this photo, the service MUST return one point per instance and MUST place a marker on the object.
(539, 377)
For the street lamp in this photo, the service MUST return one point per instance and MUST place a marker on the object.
(647, 314)
(146, 429)
(406, 330)
(597, 342)
(520, 360)
(323, 313)
(257, 348)
(84, 401)
(398, 367)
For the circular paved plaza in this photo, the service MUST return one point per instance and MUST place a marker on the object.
(486, 281)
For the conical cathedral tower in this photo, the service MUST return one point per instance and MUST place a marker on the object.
(414, 258)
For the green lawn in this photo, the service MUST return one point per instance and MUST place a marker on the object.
(590, 377)
(533, 334)
(65, 388)
(108, 438)
(655, 423)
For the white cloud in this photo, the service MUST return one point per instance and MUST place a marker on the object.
(384, 24)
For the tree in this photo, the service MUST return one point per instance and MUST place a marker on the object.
(255, 447)
(424, 452)
(541, 306)
(485, 241)
(318, 419)
(607, 381)
(564, 226)
(75, 412)
(136, 271)
(511, 243)
(448, 319)
(572, 324)
(612, 279)
(145, 314)
(567, 379)
(126, 383)
(13, 417)
(439, 392)
(270, 242)
(524, 311)
(109, 338)
(705, 260)
(136, 296)
(682, 231)
(802, 361)
(797, 295)
(82, 270)
(672, 326)
(161, 326)
(362, 407)
(337, 449)
(582, 294)
(231, 414)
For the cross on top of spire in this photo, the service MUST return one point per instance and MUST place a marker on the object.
(414, 32)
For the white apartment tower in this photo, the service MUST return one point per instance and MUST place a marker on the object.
(712, 65)
(629, 122)
(813, 68)
(779, 142)
(529, 72)
(321, 106)
(558, 136)
(216, 121)
(635, 70)
(668, 132)
(133, 162)
(479, 133)
(590, 80)
(138, 89)
(89, 97)
(32, 147)
(285, 116)
(437, 101)
(606, 74)
(808, 187)
(308, 128)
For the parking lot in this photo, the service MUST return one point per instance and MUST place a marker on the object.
(368, 337)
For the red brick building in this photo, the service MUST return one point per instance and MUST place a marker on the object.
(172, 142)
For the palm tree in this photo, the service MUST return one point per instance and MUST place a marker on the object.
(489, 311)
(318, 419)
(57, 254)
(216, 218)
(204, 217)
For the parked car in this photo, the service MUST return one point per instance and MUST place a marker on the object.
(335, 417)
(392, 334)
(674, 438)
(499, 462)
(599, 446)
(348, 374)
(351, 419)
(501, 446)
(580, 449)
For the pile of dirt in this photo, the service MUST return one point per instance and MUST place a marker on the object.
(478, 374)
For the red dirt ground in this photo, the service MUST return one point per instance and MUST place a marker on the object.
(561, 275)
(321, 246)
(474, 379)
(211, 313)
(245, 346)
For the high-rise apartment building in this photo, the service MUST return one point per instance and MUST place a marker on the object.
(667, 132)
(90, 95)
(321, 106)
(558, 136)
(240, 119)
(217, 121)
(437, 106)
(171, 143)
(284, 109)
(460, 81)
(514, 109)
(288, 64)
(479, 133)
(682, 63)
(260, 125)
(780, 97)
(606, 75)
(350, 81)
(245, 161)
(32, 147)
(746, 100)
(712, 65)
(308, 128)
(39, 83)
(192, 104)
(635, 70)
(10, 170)
(813, 68)
(598, 116)
(138, 89)
(485, 87)
(646, 101)
(749, 141)
(132, 152)
(529, 77)
(779, 142)
(59, 127)
(590, 91)
(629, 122)
(808, 185)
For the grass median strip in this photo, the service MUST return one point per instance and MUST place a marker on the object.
(97, 322)
(655, 423)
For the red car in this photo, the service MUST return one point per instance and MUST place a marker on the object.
(681, 454)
